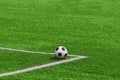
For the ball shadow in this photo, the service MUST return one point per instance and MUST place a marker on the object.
(54, 58)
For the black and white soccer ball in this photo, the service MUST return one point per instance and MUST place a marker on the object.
(61, 52)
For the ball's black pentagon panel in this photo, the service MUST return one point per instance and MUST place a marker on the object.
(63, 49)
(57, 49)
(65, 55)
(59, 54)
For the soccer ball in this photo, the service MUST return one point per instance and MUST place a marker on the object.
(61, 52)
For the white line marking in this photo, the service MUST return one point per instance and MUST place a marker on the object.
(77, 57)
(27, 51)
(41, 66)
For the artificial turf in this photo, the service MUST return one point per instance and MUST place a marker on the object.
(12, 61)
(85, 27)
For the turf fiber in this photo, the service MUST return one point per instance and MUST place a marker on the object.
(85, 27)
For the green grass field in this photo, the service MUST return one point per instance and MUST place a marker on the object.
(86, 27)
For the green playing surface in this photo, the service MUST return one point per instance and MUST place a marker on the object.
(85, 27)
